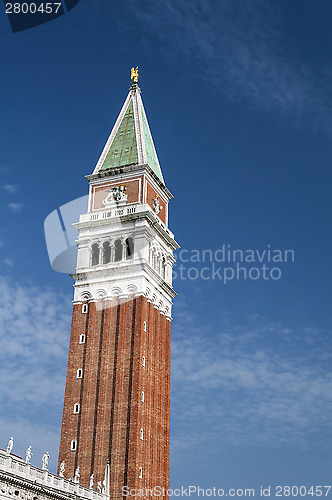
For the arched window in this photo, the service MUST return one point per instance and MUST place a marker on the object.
(84, 308)
(140, 473)
(141, 434)
(129, 248)
(73, 445)
(76, 408)
(107, 252)
(79, 373)
(95, 254)
(82, 339)
(117, 250)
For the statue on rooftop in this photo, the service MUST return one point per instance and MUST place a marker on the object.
(104, 487)
(28, 455)
(10, 445)
(62, 468)
(77, 475)
(45, 458)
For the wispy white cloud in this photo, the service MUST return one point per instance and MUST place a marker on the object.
(26, 432)
(241, 47)
(15, 207)
(256, 384)
(34, 335)
(2, 241)
(10, 188)
(7, 261)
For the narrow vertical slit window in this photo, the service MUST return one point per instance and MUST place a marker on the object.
(140, 473)
(142, 396)
(141, 434)
(82, 339)
(79, 373)
(144, 326)
(76, 408)
(73, 445)
(84, 308)
(143, 361)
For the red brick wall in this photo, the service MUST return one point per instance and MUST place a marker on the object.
(133, 191)
(151, 193)
(111, 414)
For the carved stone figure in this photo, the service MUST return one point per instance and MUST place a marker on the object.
(62, 468)
(77, 475)
(156, 206)
(104, 487)
(99, 486)
(28, 455)
(10, 445)
(91, 482)
(45, 458)
(116, 195)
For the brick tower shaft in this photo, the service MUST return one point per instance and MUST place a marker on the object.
(117, 396)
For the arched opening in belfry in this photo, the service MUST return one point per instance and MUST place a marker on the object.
(129, 248)
(95, 254)
(163, 268)
(117, 250)
(107, 252)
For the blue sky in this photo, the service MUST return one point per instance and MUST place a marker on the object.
(238, 97)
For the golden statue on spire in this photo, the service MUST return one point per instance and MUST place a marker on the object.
(134, 75)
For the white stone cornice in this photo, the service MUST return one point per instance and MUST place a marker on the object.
(124, 290)
(127, 273)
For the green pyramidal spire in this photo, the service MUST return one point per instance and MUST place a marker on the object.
(130, 141)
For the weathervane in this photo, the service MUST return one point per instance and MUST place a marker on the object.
(134, 75)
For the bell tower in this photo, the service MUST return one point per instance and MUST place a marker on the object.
(117, 396)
